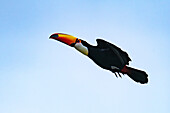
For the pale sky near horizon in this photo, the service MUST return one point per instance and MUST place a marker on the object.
(38, 75)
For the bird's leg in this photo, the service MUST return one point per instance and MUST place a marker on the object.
(115, 74)
(119, 75)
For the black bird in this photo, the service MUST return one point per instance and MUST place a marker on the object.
(106, 55)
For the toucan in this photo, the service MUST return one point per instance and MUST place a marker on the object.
(106, 55)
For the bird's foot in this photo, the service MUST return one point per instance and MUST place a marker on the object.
(116, 71)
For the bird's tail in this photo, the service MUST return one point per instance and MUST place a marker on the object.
(135, 74)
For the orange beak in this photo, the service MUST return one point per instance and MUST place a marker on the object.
(65, 38)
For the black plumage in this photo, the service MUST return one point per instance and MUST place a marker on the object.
(106, 55)
(110, 57)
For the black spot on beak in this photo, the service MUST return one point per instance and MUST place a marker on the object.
(54, 36)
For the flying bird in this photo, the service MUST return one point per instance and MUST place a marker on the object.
(106, 55)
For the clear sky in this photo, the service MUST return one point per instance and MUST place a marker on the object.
(38, 75)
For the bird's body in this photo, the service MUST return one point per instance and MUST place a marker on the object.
(108, 56)
(105, 55)
(105, 58)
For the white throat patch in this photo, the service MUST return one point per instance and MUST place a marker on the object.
(81, 48)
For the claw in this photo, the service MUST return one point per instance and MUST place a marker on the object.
(119, 75)
(116, 74)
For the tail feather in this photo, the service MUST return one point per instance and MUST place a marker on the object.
(135, 74)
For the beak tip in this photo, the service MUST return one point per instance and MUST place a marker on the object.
(50, 37)
(53, 36)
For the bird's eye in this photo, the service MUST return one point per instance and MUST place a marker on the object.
(77, 40)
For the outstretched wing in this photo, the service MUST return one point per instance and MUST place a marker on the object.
(123, 56)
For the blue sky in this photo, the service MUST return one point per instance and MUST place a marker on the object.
(38, 75)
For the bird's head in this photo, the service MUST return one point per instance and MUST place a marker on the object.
(71, 41)
(65, 38)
